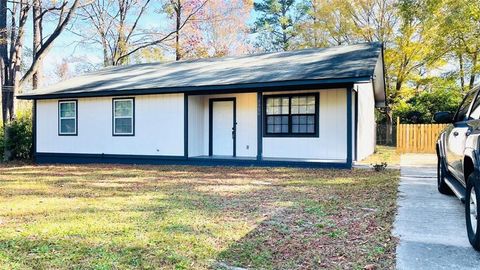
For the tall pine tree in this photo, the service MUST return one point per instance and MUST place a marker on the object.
(277, 22)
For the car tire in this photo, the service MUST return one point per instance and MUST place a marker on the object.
(472, 208)
(441, 174)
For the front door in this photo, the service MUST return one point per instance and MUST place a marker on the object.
(222, 127)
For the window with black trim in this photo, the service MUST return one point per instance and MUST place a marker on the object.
(67, 117)
(291, 115)
(123, 117)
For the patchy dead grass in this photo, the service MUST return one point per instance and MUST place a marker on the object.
(383, 153)
(130, 217)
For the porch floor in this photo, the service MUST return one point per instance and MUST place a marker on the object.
(270, 159)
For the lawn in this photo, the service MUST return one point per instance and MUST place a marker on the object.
(130, 217)
(383, 153)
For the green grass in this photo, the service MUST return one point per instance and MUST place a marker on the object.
(382, 153)
(133, 217)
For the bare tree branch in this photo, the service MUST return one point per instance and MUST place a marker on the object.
(49, 42)
(163, 38)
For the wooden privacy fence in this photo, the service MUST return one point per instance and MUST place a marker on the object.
(417, 138)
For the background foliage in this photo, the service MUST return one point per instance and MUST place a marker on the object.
(20, 140)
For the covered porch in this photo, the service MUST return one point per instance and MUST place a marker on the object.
(256, 128)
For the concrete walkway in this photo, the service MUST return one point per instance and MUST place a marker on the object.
(430, 226)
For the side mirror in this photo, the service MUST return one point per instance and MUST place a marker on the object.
(443, 117)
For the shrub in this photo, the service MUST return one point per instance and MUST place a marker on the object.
(378, 167)
(20, 141)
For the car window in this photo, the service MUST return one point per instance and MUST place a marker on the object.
(475, 112)
(463, 110)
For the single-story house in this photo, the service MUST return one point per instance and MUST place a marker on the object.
(312, 107)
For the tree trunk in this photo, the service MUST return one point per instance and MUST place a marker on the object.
(389, 126)
(284, 27)
(3, 59)
(106, 61)
(389, 116)
(37, 40)
(178, 9)
(473, 73)
(461, 72)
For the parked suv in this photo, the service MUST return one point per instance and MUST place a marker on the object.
(458, 148)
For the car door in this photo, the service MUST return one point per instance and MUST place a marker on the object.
(457, 135)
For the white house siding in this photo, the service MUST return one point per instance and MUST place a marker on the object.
(198, 122)
(158, 127)
(331, 142)
(366, 121)
(195, 126)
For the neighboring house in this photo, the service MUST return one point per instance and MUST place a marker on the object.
(311, 107)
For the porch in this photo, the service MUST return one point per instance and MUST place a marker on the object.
(236, 129)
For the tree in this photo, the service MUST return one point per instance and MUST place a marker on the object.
(115, 27)
(184, 12)
(329, 24)
(337, 22)
(11, 48)
(415, 50)
(438, 94)
(461, 28)
(224, 27)
(277, 22)
(220, 29)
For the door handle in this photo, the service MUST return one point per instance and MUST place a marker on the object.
(234, 130)
(455, 133)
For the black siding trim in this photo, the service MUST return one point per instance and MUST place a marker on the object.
(76, 117)
(113, 117)
(34, 129)
(297, 85)
(66, 158)
(185, 125)
(210, 123)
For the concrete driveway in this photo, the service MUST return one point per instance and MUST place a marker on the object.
(430, 226)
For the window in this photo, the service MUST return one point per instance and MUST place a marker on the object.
(67, 117)
(123, 117)
(463, 110)
(291, 115)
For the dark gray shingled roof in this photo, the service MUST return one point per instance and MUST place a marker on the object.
(335, 65)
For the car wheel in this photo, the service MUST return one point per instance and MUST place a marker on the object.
(472, 209)
(441, 174)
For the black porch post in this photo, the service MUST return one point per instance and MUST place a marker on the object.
(349, 127)
(185, 125)
(34, 129)
(259, 125)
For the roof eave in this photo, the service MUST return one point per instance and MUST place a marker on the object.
(247, 87)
